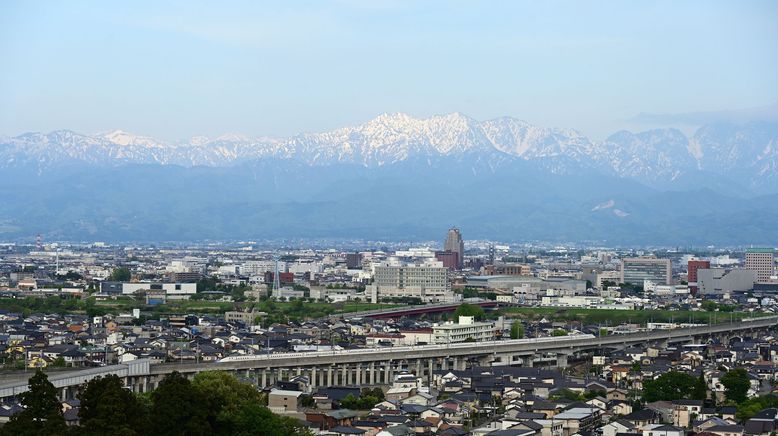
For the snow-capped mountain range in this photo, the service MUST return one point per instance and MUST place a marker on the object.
(746, 155)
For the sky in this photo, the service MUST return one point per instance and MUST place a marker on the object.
(179, 69)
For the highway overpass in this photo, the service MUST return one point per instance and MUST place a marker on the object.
(379, 365)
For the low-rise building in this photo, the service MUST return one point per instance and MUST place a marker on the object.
(467, 329)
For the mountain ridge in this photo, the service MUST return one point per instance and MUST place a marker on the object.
(747, 153)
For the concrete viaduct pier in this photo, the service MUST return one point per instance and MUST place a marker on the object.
(377, 366)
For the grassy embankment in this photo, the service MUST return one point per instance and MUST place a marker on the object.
(615, 317)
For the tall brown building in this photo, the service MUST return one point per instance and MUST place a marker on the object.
(454, 243)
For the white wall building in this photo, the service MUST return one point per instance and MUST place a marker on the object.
(427, 281)
(466, 328)
(172, 290)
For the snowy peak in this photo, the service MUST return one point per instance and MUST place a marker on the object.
(120, 137)
(745, 153)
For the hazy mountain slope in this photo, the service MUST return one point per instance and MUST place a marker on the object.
(398, 177)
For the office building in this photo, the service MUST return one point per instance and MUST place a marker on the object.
(635, 270)
(455, 244)
(508, 269)
(353, 260)
(450, 259)
(427, 281)
(248, 317)
(761, 261)
(719, 281)
(691, 277)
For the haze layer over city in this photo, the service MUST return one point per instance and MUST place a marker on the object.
(389, 218)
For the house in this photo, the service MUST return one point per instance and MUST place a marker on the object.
(579, 419)
(712, 421)
(726, 430)
(663, 430)
(643, 418)
(331, 418)
(342, 430)
(763, 423)
(618, 426)
(396, 430)
(617, 394)
(283, 401)
(684, 410)
(618, 407)
(599, 402)
(370, 426)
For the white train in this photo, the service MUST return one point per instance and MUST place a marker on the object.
(407, 349)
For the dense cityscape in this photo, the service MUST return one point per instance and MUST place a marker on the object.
(450, 337)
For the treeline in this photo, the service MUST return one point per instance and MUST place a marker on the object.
(213, 402)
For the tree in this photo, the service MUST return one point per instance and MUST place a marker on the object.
(517, 330)
(256, 420)
(469, 310)
(224, 396)
(121, 274)
(108, 408)
(42, 412)
(747, 409)
(566, 394)
(736, 384)
(669, 386)
(700, 388)
(559, 332)
(179, 408)
(307, 401)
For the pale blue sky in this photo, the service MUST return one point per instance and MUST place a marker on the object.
(177, 69)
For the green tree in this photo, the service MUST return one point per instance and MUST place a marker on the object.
(700, 388)
(517, 330)
(566, 394)
(672, 385)
(42, 412)
(736, 384)
(179, 408)
(307, 401)
(224, 396)
(747, 409)
(256, 420)
(108, 408)
(121, 274)
(559, 332)
(469, 310)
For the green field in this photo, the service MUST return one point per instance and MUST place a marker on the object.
(280, 311)
(615, 317)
